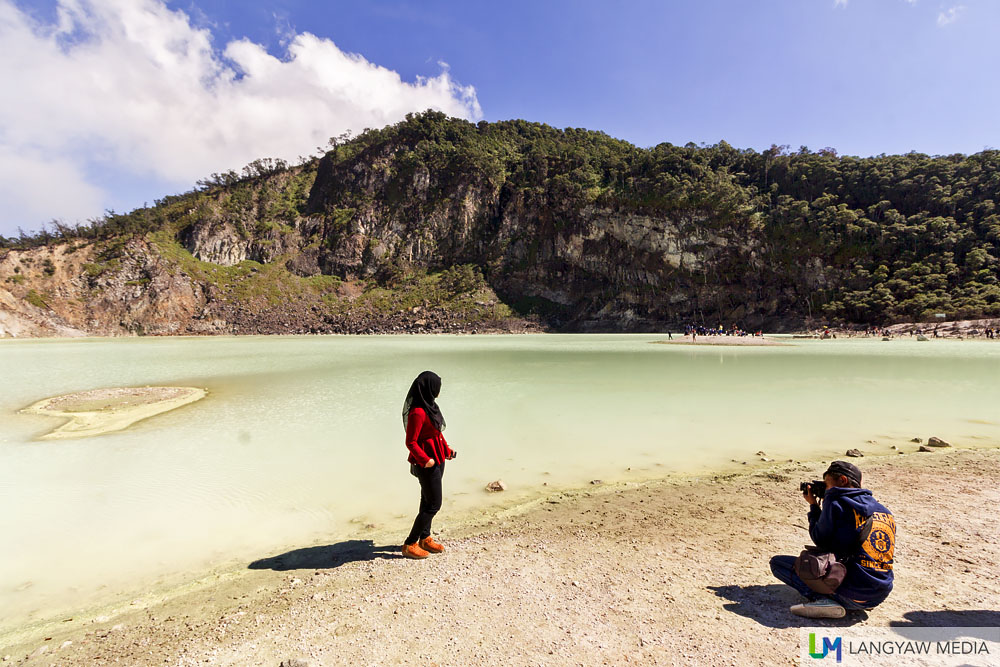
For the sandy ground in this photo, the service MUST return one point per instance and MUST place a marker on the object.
(100, 411)
(672, 572)
(749, 341)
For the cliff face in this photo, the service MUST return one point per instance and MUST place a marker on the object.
(366, 222)
(580, 267)
(65, 290)
(440, 225)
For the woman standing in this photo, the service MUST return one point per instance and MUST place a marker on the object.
(428, 452)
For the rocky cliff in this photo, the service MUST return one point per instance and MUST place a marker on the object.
(440, 225)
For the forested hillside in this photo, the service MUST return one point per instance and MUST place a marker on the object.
(571, 227)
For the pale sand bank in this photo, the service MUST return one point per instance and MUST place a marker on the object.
(745, 341)
(100, 411)
(672, 572)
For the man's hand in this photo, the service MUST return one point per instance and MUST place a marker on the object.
(810, 498)
(453, 454)
(429, 464)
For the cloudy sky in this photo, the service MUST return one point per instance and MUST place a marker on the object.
(113, 103)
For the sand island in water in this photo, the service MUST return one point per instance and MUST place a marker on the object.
(100, 411)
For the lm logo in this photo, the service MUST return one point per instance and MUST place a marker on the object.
(828, 647)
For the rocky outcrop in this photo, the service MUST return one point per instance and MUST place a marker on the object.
(20, 319)
(592, 268)
(220, 242)
(140, 288)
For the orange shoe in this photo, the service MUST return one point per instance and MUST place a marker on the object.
(414, 551)
(431, 545)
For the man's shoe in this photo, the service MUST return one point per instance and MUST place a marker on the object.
(431, 545)
(414, 551)
(822, 608)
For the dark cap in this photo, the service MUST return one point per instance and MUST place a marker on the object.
(848, 470)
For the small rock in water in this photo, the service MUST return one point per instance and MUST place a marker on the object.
(921, 337)
(760, 453)
(937, 442)
(916, 440)
(765, 459)
(894, 447)
(925, 448)
(496, 485)
(597, 481)
(293, 662)
(854, 452)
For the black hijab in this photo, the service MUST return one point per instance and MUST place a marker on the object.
(422, 393)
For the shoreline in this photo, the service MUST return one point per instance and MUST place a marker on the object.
(767, 340)
(948, 330)
(538, 557)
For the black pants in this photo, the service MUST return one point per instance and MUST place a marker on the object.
(430, 500)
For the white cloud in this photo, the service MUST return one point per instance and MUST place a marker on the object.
(131, 84)
(950, 16)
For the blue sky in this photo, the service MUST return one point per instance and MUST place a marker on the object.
(863, 76)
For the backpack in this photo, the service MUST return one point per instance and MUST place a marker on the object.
(820, 570)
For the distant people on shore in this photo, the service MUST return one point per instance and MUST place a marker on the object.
(988, 332)
(695, 330)
(878, 332)
(855, 529)
(958, 330)
(428, 452)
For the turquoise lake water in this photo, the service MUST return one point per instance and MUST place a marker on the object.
(300, 439)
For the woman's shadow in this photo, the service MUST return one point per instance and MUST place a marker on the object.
(328, 556)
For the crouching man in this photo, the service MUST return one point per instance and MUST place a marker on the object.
(859, 531)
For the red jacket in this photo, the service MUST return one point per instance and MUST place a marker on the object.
(424, 440)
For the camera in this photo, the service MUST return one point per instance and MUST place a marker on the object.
(817, 487)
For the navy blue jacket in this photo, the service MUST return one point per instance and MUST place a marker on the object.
(837, 528)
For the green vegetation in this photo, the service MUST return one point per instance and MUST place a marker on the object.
(35, 299)
(246, 281)
(862, 240)
(866, 240)
(460, 291)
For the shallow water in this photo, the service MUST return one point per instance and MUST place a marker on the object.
(301, 439)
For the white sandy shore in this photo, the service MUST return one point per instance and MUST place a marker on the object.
(100, 411)
(672, 572)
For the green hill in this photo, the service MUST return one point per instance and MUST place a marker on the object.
(571, 228)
